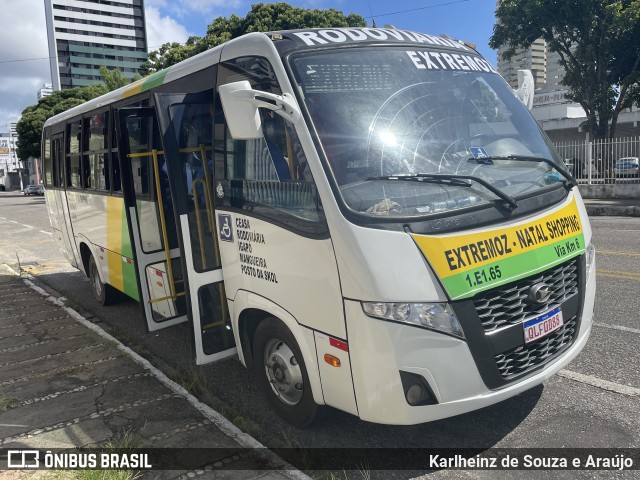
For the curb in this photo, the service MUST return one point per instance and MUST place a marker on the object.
(222, 423)
(616, 211)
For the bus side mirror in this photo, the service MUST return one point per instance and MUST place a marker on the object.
(526, 87)
(241, 103)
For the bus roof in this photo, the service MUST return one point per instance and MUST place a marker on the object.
(285, 41)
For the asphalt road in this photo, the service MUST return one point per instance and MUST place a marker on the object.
(592, 403)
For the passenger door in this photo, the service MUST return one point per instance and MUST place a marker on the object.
(150, 215)
(186, 123)
(62, 219)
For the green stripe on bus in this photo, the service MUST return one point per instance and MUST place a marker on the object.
(471, 282)
(130, 284)
(126, 251)
(154, 80)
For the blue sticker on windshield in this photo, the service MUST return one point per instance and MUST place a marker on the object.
(481, 155)
(478, 152)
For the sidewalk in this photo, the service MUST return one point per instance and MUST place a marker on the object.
(65, 383)
(626, 207)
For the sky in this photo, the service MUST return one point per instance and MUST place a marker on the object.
(24, 65)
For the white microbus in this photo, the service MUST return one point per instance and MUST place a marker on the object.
(369, 218)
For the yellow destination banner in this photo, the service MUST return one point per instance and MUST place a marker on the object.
(454, 254)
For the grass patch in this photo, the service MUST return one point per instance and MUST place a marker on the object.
(79, 370)
(92, 475)
(7, 403)
(194, 381)
(126, 442)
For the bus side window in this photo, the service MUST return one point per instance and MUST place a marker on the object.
(114, 160)
(46, 159)
(95, 149)
(269, 175)
(73, 171)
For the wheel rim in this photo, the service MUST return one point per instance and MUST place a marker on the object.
(97, 285)
(283, 372)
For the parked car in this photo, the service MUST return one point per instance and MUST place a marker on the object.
(2, 187)
(31, 190)
(580, 169)
(627, 167)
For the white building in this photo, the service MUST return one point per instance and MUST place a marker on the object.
(544, 64)
(87, 34)
(45, 90)
(10, 165)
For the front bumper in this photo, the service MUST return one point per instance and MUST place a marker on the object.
(379, 350)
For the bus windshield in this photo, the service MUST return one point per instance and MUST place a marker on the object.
(386, 115)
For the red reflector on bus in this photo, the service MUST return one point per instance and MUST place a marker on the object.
(334, 342)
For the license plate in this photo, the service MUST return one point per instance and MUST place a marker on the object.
(542, 325)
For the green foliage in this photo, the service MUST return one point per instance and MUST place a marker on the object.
(7, 403)
(113, 78)
(169, 54)
(599, 45)
(261, 18)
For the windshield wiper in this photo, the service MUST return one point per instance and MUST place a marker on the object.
(451, 179)
(525, 158)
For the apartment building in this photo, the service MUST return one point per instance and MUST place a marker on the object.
(86, 34)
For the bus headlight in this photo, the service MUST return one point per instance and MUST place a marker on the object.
(590, 257)
(434, 316)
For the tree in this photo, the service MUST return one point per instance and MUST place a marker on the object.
(114, 79)
(598, 42)
(261, 18)
(169, 54)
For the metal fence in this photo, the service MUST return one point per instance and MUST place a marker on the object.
(602, 161)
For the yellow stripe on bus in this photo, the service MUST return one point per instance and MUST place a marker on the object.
(136, 89)
(114, 241)
(453, 254)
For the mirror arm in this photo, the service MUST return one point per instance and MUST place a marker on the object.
(284, 105)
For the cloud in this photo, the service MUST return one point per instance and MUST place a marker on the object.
(24, 64)
(24, 51)
(162, 29)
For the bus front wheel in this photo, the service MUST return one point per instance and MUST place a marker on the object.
(102, 292)
(282, 373)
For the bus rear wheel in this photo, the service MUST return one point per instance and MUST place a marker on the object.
(282, 373)
(102, 292)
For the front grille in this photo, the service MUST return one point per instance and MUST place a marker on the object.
(526, 357)
(509, 305)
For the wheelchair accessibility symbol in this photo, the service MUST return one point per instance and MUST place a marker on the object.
(224, 227)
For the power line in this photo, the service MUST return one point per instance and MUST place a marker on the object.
(25, 60)
(49, 58)
(415, 9)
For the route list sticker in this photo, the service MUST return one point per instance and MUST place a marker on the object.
(474, 262)
(250, 242)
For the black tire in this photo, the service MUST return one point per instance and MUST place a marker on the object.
(295, 401)
(103, 293)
